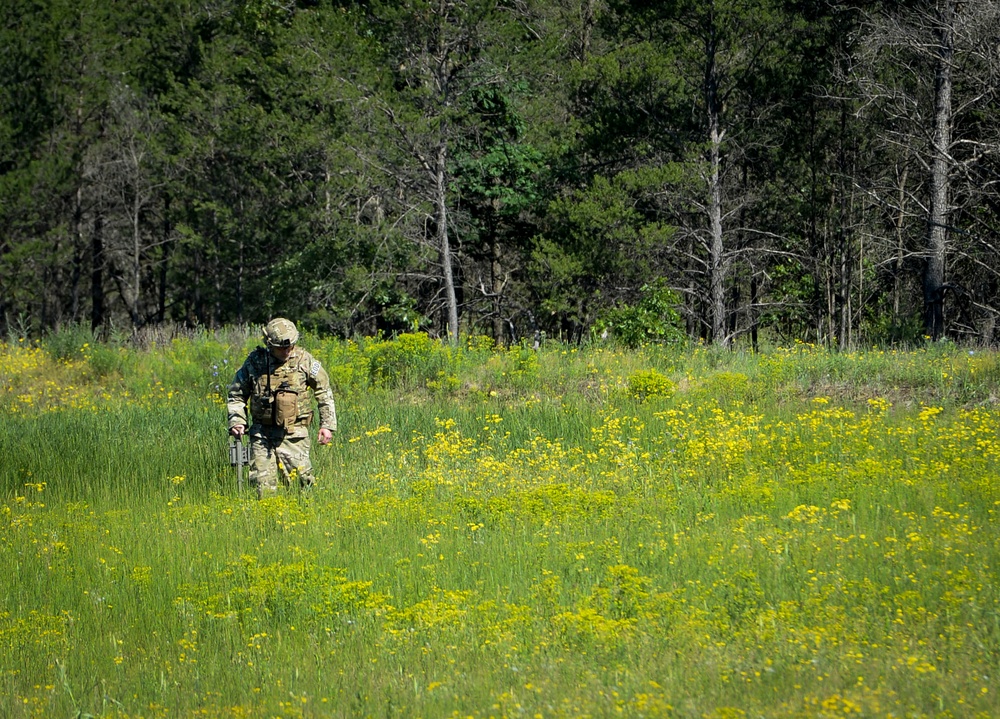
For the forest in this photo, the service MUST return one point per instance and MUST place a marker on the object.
(728, 171)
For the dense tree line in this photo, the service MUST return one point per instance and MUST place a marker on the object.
(817, 170)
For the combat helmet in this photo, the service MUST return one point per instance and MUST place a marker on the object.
(280, 332)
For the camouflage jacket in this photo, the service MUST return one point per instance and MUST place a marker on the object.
(261, 378)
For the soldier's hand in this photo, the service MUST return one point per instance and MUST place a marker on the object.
(325, 436)
(237, 430)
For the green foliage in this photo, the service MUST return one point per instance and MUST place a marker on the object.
(653, 319)
(494, 165)
(408, 358)
(524, 365)
(801, 291)
(602, 240)
(224, 162)
(645, 384)
(885, 330)
(69, 342)
(108, 361)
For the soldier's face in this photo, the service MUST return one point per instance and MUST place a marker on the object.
(281, 353)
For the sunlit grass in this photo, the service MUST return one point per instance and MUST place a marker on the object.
(507, 533)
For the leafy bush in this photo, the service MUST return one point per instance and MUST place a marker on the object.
(653, 319)
(106, 360)
(68, 342)
(649, 383)
(410, 357)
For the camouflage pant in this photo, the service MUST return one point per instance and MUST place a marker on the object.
(277, 457)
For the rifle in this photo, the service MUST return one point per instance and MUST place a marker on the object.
(239, 456)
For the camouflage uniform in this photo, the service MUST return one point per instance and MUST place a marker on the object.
(277, 393)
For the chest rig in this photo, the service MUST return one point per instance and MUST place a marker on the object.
(279, 397)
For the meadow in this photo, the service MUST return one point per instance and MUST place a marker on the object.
(505, 532)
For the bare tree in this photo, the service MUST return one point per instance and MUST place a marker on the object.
(924, 74)
(120, 174)
(724, 45)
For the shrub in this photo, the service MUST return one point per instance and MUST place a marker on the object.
(653, 320)
(644, 384)
(106, 360)
(410, 357)
(68, 342)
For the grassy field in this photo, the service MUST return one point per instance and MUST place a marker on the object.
(505, 533)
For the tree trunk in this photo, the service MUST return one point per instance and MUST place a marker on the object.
(587, 22)
(898, 264)
(241, 253)
(161, 299)
(78, 258)
(845, 282)
(496, 286)
(136, 258)
(444, 247)
(97, 274)
(937, 245)
(717, 268)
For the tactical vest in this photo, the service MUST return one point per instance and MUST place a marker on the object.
(280, 395)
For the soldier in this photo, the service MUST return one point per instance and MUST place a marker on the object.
(275, 381)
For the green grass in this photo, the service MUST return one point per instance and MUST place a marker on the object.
(793, 534)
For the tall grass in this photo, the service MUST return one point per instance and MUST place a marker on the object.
(567, 532)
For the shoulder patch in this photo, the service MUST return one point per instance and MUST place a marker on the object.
(314, 369)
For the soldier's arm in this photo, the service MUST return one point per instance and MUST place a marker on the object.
(238, 394)
(319, 381)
